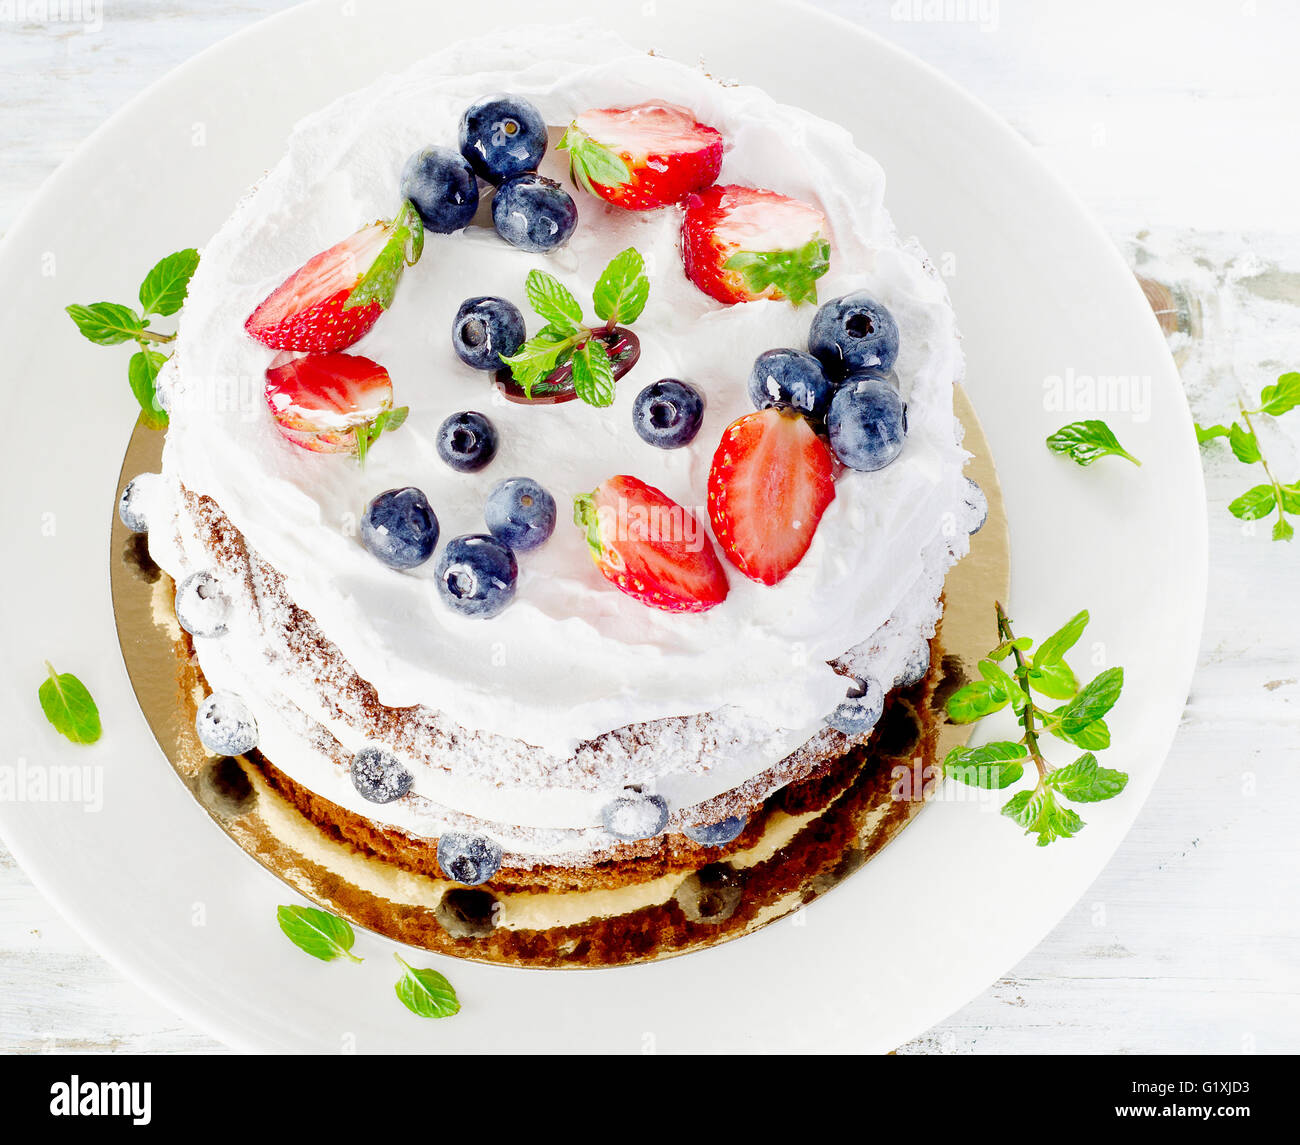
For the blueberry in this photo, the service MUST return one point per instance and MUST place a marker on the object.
(853, 333)
(467, 441)
(400, 528)
(790, 378)
(520, 513)
(443, 188)
(977, 506)
(668, 413)
(201, 605)
(867, 422)
(225, 725)
(716, 834)
(476, 575)
(636, 816)
(915, 666)
(533, 212)
(132, 504)
(860, 710)
(501, 136)
(379, 776)
(486, 330)
(468, 859)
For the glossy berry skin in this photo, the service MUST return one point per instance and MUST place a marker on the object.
(867, 423)
(719, 833)
(790, 378)
(468, 859)
(534, 213)
(476, 575)
(667, 414)
(501, 136)
(520, 513)
(467, 441)
(379, 776)
(858, 714)
(443, 188)
(486, 330)
(400, 528)
(852, 333)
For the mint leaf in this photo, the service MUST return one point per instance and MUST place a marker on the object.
(1003, 650)
(69, 706)
(622, 289)
(165, 286)
(1024, 807)
(1056, 681)
(106, 323)
(142, 373)
(317, 933)
(1094, 701)
(378, 283)
(1003, 684)
(1091, 737)
(1283, 530)
(1245, 446)
(593, 374)
(591, 162)
(426, 993)
(1084, 782)
(1038, 813)
(1051, 650)
(975, 701)
(1281, 398)
(553, 301)
(993, 765)
(367, 435)
(792, 272)
(1209, 433)
(1254, 504)
(1290, 496)
(539, 356)
(1085, 441)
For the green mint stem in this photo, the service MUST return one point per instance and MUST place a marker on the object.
(1277, 489)
(1022, 673)
(150, 336)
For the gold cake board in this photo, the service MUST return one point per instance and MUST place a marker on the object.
(405, 905)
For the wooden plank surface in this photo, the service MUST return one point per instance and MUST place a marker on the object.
(1166, 119)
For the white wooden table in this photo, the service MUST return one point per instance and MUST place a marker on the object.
(1176, 121)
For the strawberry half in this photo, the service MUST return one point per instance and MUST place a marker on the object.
(742, 243)
(650, 547)
(336, 296)
(331, 403)
(771, 480)
(642, 157)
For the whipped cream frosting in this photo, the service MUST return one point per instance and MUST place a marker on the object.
(572, 658)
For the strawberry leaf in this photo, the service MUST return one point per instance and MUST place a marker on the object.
(165, 286)
(591, 162)
(106, 323)
(378, 283)
(792, 272)
(622, 289)
(586, 518)
(367, 435)
(593, 374)
(1085, 441)
(142, 373)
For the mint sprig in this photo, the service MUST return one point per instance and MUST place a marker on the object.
(161, 293)
(69, 706)
(793, 272)
(591, 162)
(619, 297)
(426, 993)
(1261, 501)
(316, 932)
(1085, 441)
(1079, 721)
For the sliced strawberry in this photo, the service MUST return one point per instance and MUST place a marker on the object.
(642, 157)
(336, 296)
(331, 403)
(771, 480)
(650, 547)
(742, 243)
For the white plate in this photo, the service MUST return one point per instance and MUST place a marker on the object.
(961, 896)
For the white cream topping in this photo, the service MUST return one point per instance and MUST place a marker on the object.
(572, 657)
